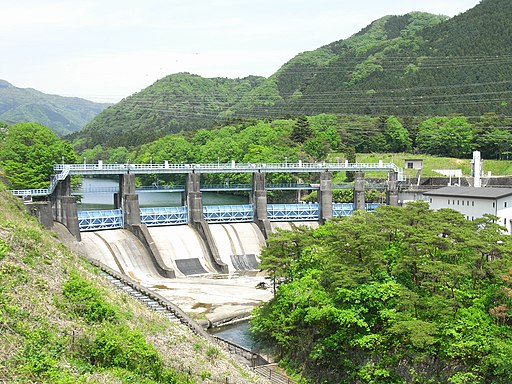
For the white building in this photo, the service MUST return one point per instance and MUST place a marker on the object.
(474, 202)
(413, 163)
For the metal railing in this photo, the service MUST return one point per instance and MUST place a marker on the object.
(342, 209)
(293, 212)
(164, 216)
(233, 167)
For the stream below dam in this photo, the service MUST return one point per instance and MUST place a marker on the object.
(238, 333)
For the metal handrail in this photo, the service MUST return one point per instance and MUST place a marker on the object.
(226, 167)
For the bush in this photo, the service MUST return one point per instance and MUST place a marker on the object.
(87, 301)
(118, 346)
(4, 249)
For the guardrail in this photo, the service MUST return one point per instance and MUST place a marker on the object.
(233, 167)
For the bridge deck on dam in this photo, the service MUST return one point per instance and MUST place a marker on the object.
(118, 169)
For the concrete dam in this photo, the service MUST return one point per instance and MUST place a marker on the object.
(203, 258)
(198, 288)
(181, 248)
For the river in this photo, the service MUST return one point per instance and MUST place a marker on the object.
(239, 334)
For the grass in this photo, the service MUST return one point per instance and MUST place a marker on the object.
(496, 167)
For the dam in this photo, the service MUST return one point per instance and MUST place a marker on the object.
(198, 288)
(202, 258)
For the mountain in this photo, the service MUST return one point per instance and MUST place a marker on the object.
(179, 102)
(416, 64)
(63, 115)
(411, 65)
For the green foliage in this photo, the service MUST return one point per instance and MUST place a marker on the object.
(495, 143)
(350, 154)
(117, 346)
(206, 375)
(397, 137)
(87, 301)
(28, 152)
(402, 295)
(301, 130)
(42, 354)
(175, 103)
(451, 137)
(4, 249)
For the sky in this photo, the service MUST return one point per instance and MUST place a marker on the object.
(105, 50)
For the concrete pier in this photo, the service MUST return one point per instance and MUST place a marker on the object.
(129, 200)
(259, 199)
(194, 202)
(359, 199)
(392, 192)
(325, 196)
(64, 207)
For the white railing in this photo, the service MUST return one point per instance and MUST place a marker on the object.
(226, 167)
(90, 169)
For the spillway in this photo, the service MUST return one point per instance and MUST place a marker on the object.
(122, 251)
(182, 249)
(202, 295)
(239, 245)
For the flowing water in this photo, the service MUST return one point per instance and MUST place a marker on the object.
(239, 334)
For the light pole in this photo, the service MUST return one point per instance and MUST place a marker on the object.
(286, 161)
(85, 161)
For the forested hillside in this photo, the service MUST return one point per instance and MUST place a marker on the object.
(406, 295)
(179, 102)
(461, 65)
(416, 65)
(63, 115)
(412, 66)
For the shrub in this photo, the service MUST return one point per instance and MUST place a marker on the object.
(118, 346)
(4, 249)
(87, 301)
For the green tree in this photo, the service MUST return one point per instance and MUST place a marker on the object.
(326, 127)
(403, 295)
(350, 154)
(317, 147)
(397, 137)
(451, 137)
(494, 143)
(28, 152)
(301, 130)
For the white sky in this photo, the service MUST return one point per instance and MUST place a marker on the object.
(104, 50)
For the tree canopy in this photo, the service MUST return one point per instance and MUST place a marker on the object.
(402, 295)
(28, 152)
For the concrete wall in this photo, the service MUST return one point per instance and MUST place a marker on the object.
(42, 211)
